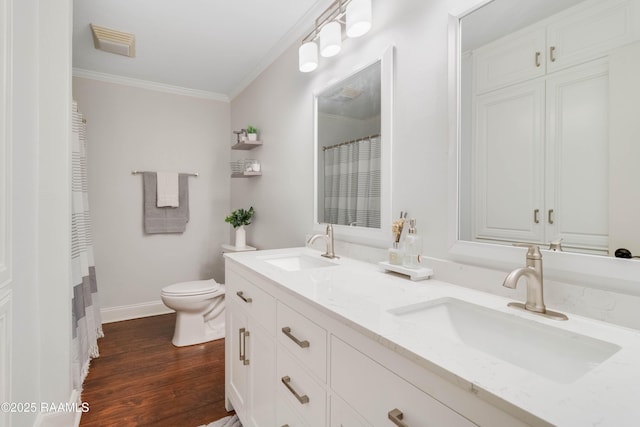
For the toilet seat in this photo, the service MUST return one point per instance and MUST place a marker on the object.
(193, 288)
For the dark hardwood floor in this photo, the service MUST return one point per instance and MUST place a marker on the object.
(141, 379)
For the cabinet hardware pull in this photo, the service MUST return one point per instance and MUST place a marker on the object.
(240, 341)
(245, 334)
(552, 53)
(285, 425)
(287, 331)
(302, 399)
(396, 416)
(538, 59)
(550, 216)
(243, 298)
(536, 216)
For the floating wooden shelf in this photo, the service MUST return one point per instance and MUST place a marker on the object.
(246, 145)
(245, 174)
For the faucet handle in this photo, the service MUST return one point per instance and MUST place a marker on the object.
(533, 252)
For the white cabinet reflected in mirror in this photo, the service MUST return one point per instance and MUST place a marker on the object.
(352, 153)
(549, 132)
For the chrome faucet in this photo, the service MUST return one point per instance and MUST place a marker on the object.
(328, 238)
(533, 274)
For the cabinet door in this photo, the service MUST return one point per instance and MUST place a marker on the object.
(512, 59)
(379, 395)
(236, 370)
(508, 150)
(262, 370)
(342, 415)
(587, 32)
(578, 157)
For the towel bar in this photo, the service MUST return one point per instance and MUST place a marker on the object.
(137, 172)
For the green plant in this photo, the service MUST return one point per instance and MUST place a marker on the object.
(240, 217)
(251, 129)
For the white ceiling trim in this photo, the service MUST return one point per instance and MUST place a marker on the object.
(145, 84)
(296, 33)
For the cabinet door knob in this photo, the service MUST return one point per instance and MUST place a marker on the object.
(538, 59)
(287, 383)
(243, 298)
(396, 416)
(552, 53)
(287, 331)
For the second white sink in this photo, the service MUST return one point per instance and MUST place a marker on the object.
(297, 262)
(551, 352)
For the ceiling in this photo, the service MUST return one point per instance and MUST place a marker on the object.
(216, 46)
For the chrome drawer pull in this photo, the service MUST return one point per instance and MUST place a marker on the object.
(243, 298)
(552, 53)
(302, 399)
(537, 59)
(287, 331)
(396, 416)
(550, 216)
(245, 334)
(240, 341)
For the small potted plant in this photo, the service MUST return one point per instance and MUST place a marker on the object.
(252, 133)
(239, 218)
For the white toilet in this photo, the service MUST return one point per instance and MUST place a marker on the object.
(199, 307)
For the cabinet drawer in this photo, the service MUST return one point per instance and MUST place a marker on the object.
(300, 390)
(342, 415)
(285, 415)
(375, 392)
(303, 338)
(256, 302)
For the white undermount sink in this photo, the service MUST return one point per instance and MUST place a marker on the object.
(554, 353)
(297, 262)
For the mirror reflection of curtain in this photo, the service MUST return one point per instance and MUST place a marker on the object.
(352, 183)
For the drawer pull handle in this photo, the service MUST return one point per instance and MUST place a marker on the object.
(240, 346)
(243, 298)
(536, 216)
(396, 416)
(552, 53)
(538, 59)
(243, 346)
(302, 399)
(550, 216)
(287, 331)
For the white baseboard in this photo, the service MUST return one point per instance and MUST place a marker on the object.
(133, 311)
(66, 417)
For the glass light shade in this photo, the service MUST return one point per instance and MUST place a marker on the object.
(330, 39)
(358, 17)
(308, 57)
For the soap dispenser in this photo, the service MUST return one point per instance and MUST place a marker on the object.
(412, 247)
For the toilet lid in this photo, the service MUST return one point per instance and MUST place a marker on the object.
(196, 287)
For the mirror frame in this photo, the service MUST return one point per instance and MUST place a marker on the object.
(594, 271)
(378, 237)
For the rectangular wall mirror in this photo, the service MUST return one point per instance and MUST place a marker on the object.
(352, 152)
(549, 134)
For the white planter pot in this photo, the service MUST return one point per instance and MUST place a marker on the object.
(241, 237)
(252, 136)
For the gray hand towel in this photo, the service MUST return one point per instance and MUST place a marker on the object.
(165, 219)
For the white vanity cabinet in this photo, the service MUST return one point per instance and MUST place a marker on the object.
(587, 31)
(250, 351)
(306, 367)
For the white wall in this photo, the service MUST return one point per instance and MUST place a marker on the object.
(130, 128)
(283, 196)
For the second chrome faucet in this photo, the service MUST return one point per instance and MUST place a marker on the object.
(533, 275)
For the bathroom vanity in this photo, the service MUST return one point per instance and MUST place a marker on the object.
(318, 342)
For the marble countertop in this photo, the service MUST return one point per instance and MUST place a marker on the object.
(361, 295)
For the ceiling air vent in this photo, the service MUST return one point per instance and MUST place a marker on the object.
(114, 41)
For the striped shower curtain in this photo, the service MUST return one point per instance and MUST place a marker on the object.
(352, 183)
(86, 320)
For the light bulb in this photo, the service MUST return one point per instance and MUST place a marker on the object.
(330, 39)
(358, 17)
(308, 57)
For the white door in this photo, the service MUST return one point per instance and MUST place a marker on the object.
(577, 173)
(508, 153)
(262, 377)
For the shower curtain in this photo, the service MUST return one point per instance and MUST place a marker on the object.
(86, 320)
(352, 183)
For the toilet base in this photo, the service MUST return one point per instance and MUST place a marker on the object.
(191, 329)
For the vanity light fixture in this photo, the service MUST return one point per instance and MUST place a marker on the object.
(354, 14)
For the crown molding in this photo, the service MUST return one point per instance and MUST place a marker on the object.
(145, 84)
(299, 30)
